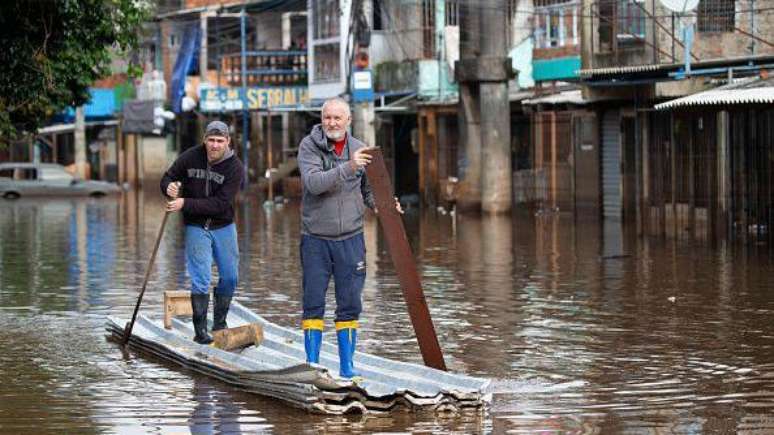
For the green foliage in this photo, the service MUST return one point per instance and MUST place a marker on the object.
(53, 50)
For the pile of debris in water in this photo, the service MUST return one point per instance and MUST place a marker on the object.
(278, 368)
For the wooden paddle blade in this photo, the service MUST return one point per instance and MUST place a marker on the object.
(239, 337)
(403, 259)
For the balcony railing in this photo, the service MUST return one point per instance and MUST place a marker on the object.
(266, 68)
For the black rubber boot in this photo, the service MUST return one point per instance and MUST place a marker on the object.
(200, 304)
(220, 312)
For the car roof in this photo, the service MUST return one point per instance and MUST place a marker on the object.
(17, 165)
(30, 165)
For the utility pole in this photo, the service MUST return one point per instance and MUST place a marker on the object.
(469, 191)
(203, 16)
(360, 80)
(80, 142)
(483, 72)
(496, 179)
(363, 118)
(245, 109)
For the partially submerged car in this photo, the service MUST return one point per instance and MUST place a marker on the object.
(47, 179)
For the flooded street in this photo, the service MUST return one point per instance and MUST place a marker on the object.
(583, 328)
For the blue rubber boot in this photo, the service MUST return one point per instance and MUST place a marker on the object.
(313, 329)
(346, 333)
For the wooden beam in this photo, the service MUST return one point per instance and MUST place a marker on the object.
(239, 337)
(176, 303)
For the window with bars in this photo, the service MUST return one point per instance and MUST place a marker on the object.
(621, 23)
(556, 23)
(327, 63)
(631, 22)
(605, 10)
(716, 16)
(510, 17)
(326, 18)
(428, 29)
(452, 12)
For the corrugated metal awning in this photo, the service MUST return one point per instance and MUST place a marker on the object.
(67, 128)
(586, 73)
(661, 71)
(745, 91)
(565, 97)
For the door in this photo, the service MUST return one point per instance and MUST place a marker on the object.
(611, 165)
(586, 155)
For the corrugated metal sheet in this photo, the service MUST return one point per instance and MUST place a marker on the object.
(564, 97)
(277, 368)
(745, 91)
(725, 62)
(611, 165)
(585, 73)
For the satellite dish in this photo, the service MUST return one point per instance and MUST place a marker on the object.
(680, 6)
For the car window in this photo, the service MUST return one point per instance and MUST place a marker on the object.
(25, 174)
(55, 174)
(6, 173)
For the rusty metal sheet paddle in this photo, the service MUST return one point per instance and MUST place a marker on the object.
(403, 259)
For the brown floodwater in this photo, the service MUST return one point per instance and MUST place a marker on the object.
(582, 326)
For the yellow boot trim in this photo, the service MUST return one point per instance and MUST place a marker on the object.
(317, 324)
(349, 324)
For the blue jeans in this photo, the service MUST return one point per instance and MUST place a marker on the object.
(345, 260)
(201, 247)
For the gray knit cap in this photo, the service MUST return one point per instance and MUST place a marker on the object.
(216, 128)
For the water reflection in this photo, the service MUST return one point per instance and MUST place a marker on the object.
(583, 327)
(216, 411)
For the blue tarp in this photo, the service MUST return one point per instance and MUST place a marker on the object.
(101, 105)
(185, 63)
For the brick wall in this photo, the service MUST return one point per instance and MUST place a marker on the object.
(190, 4)
(555, 52)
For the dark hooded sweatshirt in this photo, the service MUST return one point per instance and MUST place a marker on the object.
(209, 189)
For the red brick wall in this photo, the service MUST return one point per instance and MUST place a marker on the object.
(190, 4)
(554, 52)
(110, 82)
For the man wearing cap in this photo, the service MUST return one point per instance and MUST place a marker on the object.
(203, 183)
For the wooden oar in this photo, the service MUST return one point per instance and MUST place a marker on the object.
(403, 259)
(130, 325)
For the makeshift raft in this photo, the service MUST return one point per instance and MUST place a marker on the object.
(278, 368)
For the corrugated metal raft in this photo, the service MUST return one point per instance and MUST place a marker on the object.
(277, 368)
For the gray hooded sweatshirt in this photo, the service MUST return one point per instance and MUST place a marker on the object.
(334, 195)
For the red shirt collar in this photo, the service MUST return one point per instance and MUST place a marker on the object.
(338, 146)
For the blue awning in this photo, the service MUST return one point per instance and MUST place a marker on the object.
(102, 104)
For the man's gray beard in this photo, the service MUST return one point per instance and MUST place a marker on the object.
(332, 135)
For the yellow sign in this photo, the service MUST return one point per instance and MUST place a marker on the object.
(229, 99)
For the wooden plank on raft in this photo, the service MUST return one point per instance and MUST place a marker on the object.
(403, 259)
(176, 303)
(239, 337)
